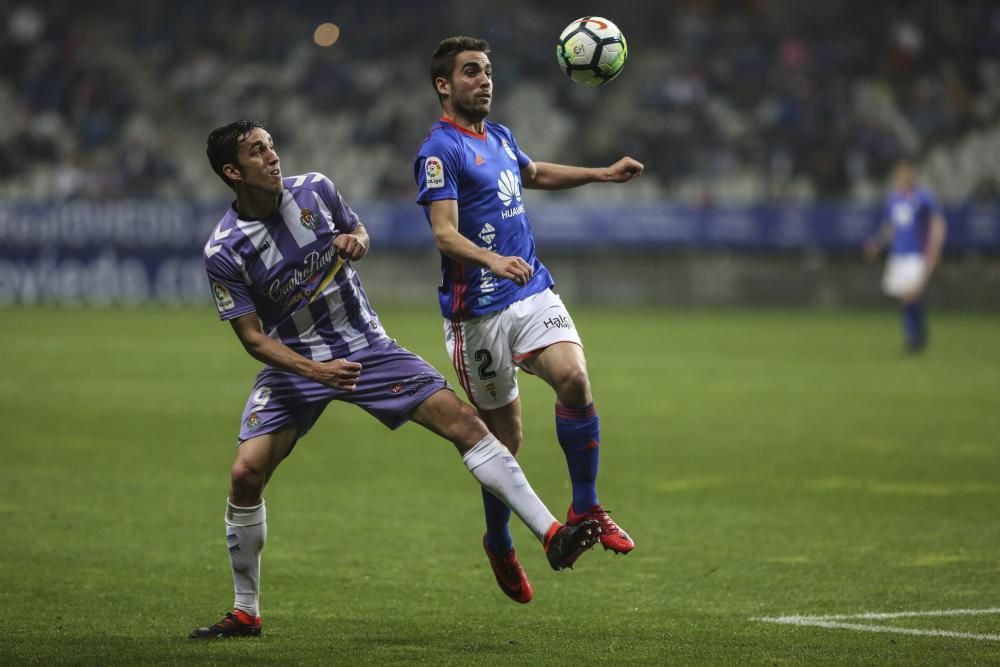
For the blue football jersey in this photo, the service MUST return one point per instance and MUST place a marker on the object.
(483, 173)
(910, 213)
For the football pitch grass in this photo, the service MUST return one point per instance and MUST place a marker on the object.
(768, 464)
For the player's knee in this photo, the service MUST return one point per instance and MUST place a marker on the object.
(511, 438)
(471, 424)
(515, 444)
(467, 428)
(574, 386)
(246, 478)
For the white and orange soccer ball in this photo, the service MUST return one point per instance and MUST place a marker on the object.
(592, 50)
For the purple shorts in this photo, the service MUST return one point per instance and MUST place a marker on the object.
(393, 382)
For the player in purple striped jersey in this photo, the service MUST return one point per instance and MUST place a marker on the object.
(496, 296)
(280, 266)
(914, 229)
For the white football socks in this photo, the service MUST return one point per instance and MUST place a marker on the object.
(499, 472)
(246, 532)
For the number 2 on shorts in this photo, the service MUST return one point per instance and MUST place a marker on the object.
(485, 360)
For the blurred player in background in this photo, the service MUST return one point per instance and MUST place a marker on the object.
(914, 229)
(496, 297)
(280, 268)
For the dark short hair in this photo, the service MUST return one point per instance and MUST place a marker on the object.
(224, 144)
(443, 60)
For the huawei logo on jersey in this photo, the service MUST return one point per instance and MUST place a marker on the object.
(902, 214)
(508, 188)
(480, 160)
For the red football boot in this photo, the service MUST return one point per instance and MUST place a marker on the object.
(511, 577)
(612, 536)
(564, 543)
(236, 623)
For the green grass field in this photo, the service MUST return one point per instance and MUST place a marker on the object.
(766, 463)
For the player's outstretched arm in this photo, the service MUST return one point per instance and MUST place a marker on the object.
(338, 373)
(551, 176)
(444, 222)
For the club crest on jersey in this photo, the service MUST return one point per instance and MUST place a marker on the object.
(253, 421)
(434, 172)
(307, 219)
(508, 150)
(223, 299)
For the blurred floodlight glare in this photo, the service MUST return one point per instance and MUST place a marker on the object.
(326, 34)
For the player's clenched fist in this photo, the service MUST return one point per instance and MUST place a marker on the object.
(512, 268)
(350, 246)
(624, 170)
(339, 374)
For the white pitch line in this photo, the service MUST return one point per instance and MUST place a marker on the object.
(877, 616)
(835, 621)
(883, 628)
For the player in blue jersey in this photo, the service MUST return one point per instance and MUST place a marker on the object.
(500, 312)
(280, 266)
(914, 229)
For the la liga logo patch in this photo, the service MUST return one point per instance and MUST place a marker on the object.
(434, 172)
(507, 149)
(223, 299)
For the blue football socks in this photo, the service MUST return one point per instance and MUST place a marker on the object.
(579, 433)
(915, 325)
(498, 539)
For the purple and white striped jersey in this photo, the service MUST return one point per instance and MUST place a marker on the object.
(286, 269)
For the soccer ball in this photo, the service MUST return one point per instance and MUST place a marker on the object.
(592, 50)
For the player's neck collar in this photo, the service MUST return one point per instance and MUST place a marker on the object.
(244, 215)
(463, 130)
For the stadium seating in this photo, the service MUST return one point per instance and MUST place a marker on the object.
(725, 102)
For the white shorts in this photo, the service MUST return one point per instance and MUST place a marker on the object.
(903, 274)
(487, 350)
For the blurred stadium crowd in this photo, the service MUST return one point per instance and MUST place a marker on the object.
(759, 100)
